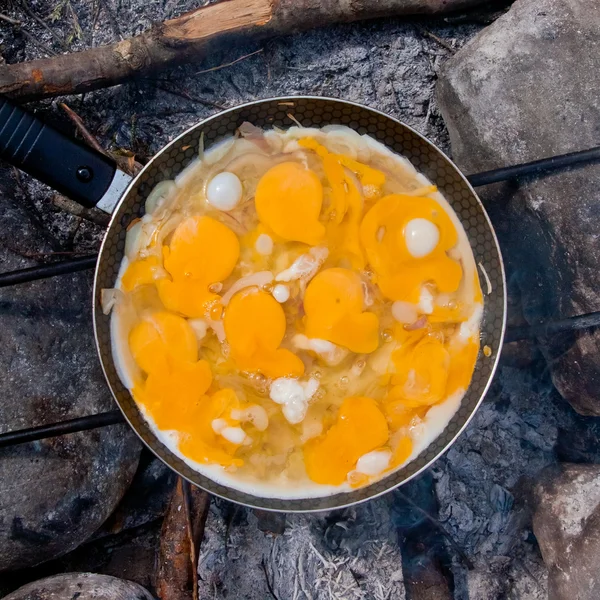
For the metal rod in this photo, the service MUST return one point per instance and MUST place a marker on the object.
(513, 334)
(587, 321)
(12, 438)
(44, 271)
(553, 163)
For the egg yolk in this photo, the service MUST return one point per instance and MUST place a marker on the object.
(288, 200)
(164, 346)
(346, 210)
(255, 326)
(360, 427)
(401, 453)
(200, 442)
(333, 304)
(346, 201)
(162, 339)
(399, 275)
(202, 252)
(462, 364)
(142, 271)
(174, 394)
(371, 179)
(421, 375)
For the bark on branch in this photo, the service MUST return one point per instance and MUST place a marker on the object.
(191, 37)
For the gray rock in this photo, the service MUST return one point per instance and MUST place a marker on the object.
(83, 586)
(525, 88)
(567, 526)
(54, 493)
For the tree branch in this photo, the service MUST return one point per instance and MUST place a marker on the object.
(193, 36)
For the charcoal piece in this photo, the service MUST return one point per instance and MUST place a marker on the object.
(567, 526)
(505, 102)
(81, 586)
(54, 493)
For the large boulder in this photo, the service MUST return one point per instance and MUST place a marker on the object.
(81, 586)
(55, 493)
(567, 526)
(525, 88)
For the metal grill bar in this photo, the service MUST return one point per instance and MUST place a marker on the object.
(587, 321)
(32, 434)
(45, 271)
(554, 163)
(536, 167)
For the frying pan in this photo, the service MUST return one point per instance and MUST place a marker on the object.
(93, 180)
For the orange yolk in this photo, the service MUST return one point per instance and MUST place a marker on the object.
(360, 428)
(161, 340)
(421, 373)
(288, 201)
(462, 365)
(346, 201)
(399, 275)
(202, 252)
(371, 179)
(174, 394)
(333, 304)
(200, 442)
(346, 207)
(141, 272)
(402, 452)
(255, 326)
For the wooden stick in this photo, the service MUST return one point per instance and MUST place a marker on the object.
(193, 36)
(181, 535)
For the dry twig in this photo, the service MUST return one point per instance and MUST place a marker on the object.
(93, 215)
(230, 64)
(437, 39)
(127, 163)
(19, 27)
(43, 23)
(90, 140)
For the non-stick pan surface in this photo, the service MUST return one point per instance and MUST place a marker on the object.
(312, 112)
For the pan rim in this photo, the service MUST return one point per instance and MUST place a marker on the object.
(501, 333)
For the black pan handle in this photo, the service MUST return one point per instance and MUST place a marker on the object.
(75, 170)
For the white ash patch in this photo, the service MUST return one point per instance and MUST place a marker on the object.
(354, 558)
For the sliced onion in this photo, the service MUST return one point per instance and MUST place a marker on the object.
(136, 235)
(255, 134)
(305, 267)
(219, 151)
(188, 173)
(487, 279)
(254, 280)
(109, 297)
(218, 328)
(162, 191)
(343, 140)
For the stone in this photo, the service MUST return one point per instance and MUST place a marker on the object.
(566, 523)
(525, 88)
(146, 499)
(83, 586)
(54, 493)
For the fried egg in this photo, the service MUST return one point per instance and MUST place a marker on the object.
(298, 313)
